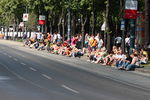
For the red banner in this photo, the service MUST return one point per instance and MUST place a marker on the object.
(130, 14)
(41, 22)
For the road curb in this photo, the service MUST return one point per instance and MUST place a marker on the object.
(144, 70)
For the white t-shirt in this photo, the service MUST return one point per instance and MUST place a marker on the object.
(127, 40)
(100, 43)
(97, 38)
(58, 36)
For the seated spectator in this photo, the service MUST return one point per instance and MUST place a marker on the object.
(55, 49)
(35, 45)
(126, 62)
(92, 56)
(143, 52)
(42, 46)
(134, 63)
(67, 51)
(76, 52)
(143, 59)
(26, 42)
(102, 55)
(108, 59)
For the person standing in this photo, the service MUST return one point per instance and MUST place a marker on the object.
(127, 43)
(49, 41)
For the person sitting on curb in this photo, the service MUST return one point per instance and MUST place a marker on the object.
(102, 55)
(76, 52)
(42, 46)
(123, 62)
(143, 59)
(135, 63)
(35, 45)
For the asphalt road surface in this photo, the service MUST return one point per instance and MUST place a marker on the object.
(27, 74)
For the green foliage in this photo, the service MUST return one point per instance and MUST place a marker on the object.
(32, 22)
(11, 10)
(141, 5)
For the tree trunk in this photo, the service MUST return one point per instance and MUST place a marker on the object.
(108, 31)
(60, 20)
(94, 22)
(63, 30)
(47, 23)
(74, 25)
(50, 26)
(147, 20)
(59, 25)
(87, 27)
(83, 22)
(93, 18)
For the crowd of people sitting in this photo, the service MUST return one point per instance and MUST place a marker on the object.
(93, 48)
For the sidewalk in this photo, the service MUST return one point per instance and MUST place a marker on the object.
(85, 58)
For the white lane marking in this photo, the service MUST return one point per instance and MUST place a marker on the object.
(70, 89)
(23, 64)
(46, 76)
(15, 59)
(32, 69)
(20, 77)
(9, 56)
(4, 78)
(12, 71)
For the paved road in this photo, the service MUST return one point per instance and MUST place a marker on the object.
(27, 74)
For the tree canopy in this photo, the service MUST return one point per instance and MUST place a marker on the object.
(88, 14)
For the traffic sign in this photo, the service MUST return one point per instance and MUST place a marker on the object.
(131, 4)
(25, 17)
(131, 7)
(42, 19)
(122, 25)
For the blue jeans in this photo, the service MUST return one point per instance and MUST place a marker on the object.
(131, 67)
(125, 64)
(119, 64)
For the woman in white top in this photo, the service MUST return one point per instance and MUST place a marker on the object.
(134, 63)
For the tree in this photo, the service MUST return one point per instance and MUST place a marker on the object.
(147, 20)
